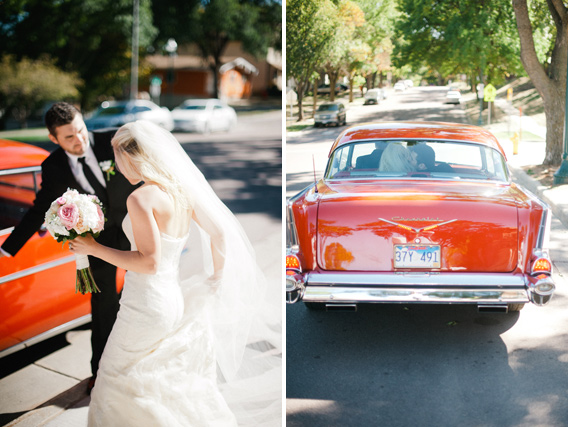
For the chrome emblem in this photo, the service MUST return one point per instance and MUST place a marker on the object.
(417, 230)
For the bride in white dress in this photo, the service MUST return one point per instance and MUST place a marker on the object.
(196, 344)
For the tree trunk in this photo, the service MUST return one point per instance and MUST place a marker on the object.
(552, 85)
(316, 84)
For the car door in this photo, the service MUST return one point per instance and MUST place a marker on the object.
(37, 294)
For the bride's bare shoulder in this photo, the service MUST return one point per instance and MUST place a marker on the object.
(147, 195)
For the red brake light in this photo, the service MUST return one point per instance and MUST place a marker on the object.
(292, 262)
(542, 265)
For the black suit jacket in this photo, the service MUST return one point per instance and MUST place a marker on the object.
(57, 177)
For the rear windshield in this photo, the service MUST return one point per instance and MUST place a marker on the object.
(328, 107)
(417, 160)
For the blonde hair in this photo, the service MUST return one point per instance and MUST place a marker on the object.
(396, 158)
(139, 160)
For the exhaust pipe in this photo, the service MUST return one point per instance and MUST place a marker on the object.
(341, 307)
(492, 308)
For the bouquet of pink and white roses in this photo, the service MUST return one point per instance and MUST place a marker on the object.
(72, 215)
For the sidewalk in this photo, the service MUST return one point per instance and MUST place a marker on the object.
(530, 152)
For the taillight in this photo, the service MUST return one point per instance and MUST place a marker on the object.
(292, 263)
(541, 265)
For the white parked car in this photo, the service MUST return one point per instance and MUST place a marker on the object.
(117, 113)
(204, 116)
(399, 87)
(453, 97)
(373, 96)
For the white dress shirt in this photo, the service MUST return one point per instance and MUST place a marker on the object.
(77, 169)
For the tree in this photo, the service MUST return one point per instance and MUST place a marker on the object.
(89, 37)
(212, 24)
(309, 27)
(548, 74)
(474, 37)
(27, 85)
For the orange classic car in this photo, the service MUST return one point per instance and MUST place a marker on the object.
(417, 212)
(37, 286)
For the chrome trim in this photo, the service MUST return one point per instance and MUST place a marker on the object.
(291, 232)
(447, 288)
(36, 269)
(417, 279)
(447, 295)
(48, 334)
(20, 170)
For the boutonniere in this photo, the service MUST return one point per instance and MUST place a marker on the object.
(108, 168)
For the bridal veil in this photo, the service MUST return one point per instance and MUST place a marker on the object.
(245, 322)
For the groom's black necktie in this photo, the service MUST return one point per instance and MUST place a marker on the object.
(100, 191)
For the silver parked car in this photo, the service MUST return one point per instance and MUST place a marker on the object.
(204, 116)
(117, 113)
(330, 113)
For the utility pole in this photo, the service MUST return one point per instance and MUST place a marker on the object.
(134, 63)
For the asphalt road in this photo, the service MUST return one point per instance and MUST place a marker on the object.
(429, 365)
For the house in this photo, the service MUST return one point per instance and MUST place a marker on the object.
(187, 75)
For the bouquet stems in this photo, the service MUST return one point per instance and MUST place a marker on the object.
(85, 282)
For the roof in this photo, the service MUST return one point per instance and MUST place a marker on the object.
(239, 63)
(417, 130)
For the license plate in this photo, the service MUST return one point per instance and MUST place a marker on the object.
(417, 256)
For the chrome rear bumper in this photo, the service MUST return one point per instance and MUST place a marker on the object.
(438, 288)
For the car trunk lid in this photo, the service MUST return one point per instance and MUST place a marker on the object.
(470, 226)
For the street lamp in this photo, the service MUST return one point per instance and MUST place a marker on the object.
(171, 48)
(134, 62)
(561, 175)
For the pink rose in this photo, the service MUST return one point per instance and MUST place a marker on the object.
(69, 215)
(61, 200)
(101, 223)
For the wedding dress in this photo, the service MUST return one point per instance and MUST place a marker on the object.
(192, 346)
(158, 367)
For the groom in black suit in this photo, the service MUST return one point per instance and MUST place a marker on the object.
(77, 164)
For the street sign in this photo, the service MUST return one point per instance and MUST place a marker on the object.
(489, 93)
(156, 81)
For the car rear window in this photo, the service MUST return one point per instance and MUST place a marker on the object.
(417, 160)
(194, 107)
(328, 107)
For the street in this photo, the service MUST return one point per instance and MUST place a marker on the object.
(244, 167)
(422, 365)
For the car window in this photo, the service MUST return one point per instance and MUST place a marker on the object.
(218, 107)
(111, 111)
(194, 107)
(328, 107)
(17, 193)
(140, 109)
(417, 160)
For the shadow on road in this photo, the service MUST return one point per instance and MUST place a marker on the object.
(425, 365)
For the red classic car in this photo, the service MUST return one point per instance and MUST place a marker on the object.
(417, 212)
(37, 286)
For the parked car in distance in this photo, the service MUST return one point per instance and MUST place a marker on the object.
(408, 83)
(38, 284)
(117, 113)
(374, 96)
(330, 113)
(453, 96)
(417, 213)
(399, 87)
(339, 87)
(204, 116)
